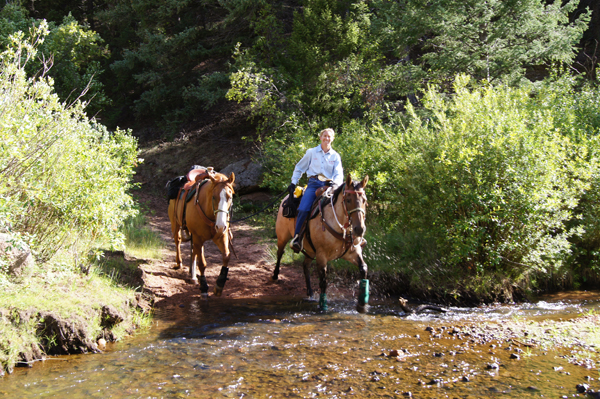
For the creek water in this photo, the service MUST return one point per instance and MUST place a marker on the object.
(285, 348)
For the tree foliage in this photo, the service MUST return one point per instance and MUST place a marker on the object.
(71, 54)
(357, 59)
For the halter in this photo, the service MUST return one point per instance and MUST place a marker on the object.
(215, 211)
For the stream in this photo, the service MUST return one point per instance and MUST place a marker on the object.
(285, 348)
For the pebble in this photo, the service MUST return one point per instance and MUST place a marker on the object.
(582, 388)
(393, 353)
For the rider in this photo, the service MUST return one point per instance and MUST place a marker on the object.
(323, 165)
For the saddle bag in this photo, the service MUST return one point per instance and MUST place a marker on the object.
(174, 185)
(290, 206)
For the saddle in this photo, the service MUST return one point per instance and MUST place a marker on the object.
(324, 195)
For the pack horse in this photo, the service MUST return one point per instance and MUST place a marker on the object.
(334, 230)
(200, 212)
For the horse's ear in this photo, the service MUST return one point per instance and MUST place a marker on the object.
(365, 180)
(231, 178)
(349, 180)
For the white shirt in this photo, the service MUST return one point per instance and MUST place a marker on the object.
(316, 162)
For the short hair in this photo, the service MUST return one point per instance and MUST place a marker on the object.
(328, 130)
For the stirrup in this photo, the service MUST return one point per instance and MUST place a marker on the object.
(295, 245)
(185, 235)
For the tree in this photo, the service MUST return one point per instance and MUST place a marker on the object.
(71, 54)
(495, 40)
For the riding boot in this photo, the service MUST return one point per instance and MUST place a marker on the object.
(296, 243)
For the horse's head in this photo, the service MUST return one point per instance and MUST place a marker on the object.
(222, 195)
(355, 201)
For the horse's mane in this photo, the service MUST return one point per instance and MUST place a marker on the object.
(337, 191)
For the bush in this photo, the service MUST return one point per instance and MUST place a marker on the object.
(64, 178)
(492, 178)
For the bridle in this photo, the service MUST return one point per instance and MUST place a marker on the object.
(347, 228)
(360, 194)
(225, 211)
(207, 220)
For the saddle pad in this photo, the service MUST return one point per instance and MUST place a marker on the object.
(192, 192)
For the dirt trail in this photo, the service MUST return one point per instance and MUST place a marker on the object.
(249, 273)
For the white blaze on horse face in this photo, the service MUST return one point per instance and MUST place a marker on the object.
(221, 222)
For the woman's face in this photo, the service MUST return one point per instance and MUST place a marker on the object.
(326, 140)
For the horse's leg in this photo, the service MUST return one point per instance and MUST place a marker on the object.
(306, 266)
(322, 268)
(177, 238)
(284, 228)
(223, 245)
(200, 261)
(193, 258)
(363, 288)
(175, 230)
(280, 251)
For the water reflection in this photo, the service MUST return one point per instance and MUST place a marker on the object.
(283, 347)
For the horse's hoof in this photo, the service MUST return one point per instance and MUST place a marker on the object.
(362, 308)
(309, 299)
(218, 291)
(204, 295)
(176, 267)
(194, 281)
(272, 280)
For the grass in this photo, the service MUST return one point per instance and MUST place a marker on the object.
(141, 241)
(76, 290)
(71, 295)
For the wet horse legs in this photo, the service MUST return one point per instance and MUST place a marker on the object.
(322, 268)
(306, 268)
(198, 255)
(222, 279)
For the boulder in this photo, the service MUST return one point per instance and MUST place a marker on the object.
(248, 175)
(17, 254)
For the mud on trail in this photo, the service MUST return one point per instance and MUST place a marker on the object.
(249, 273)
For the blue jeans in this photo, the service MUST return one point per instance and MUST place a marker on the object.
(306, 202)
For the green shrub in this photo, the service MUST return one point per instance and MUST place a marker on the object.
(491, 178)
(64, 178)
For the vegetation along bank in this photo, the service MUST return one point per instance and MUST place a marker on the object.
(476, 123)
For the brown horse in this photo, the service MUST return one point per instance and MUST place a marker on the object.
(336, 232)
(206, 218)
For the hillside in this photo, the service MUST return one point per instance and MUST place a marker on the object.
(215, 140)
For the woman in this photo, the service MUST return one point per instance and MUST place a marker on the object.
(323, 161)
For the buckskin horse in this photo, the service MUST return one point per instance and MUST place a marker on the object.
(335, 229)
(202, 206)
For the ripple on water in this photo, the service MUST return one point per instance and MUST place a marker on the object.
(256, 348)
